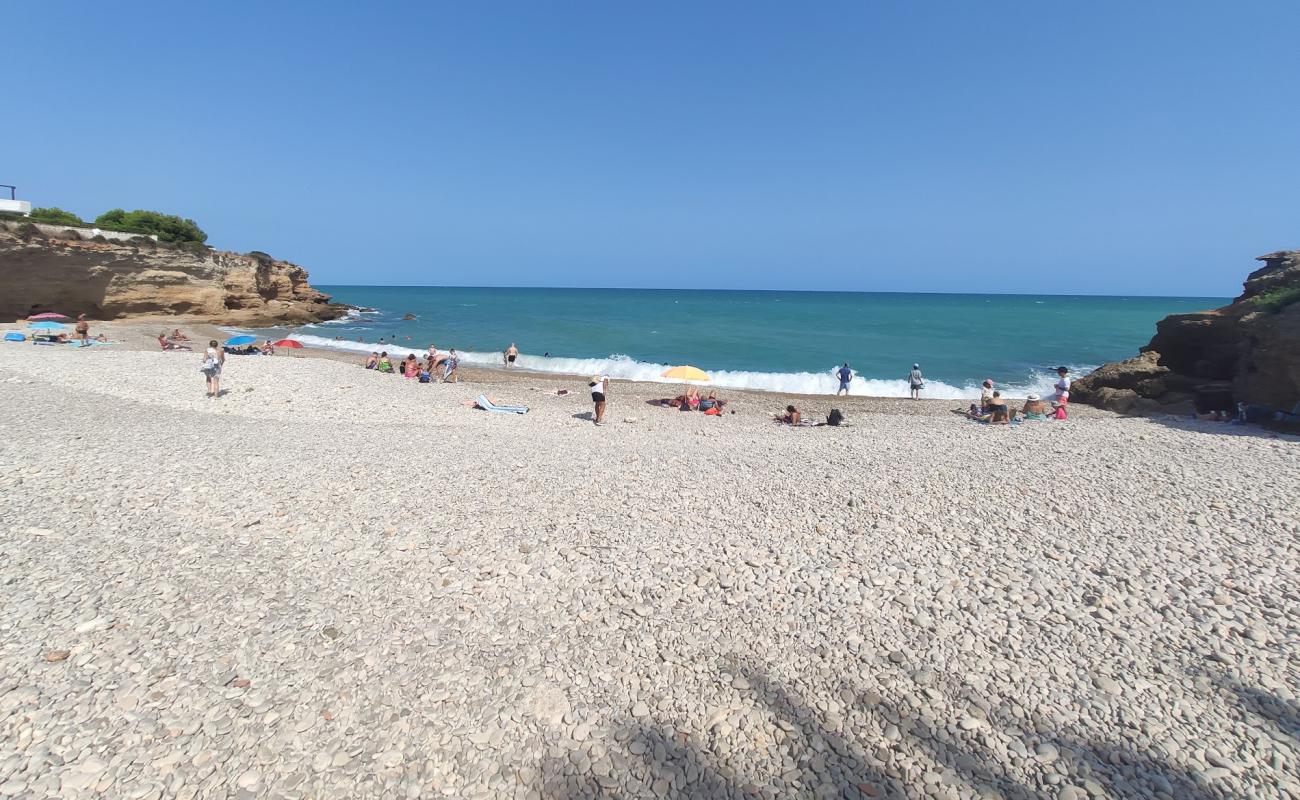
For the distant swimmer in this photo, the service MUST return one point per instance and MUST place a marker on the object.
(511, 354)
(916, 381)
(845, 375)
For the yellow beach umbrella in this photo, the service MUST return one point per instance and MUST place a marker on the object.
(686, 373)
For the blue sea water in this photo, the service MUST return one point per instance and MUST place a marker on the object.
(776, 341)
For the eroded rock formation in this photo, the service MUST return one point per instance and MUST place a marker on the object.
(110, 280)
(1248, 351)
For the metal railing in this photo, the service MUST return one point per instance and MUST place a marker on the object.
(13, 190)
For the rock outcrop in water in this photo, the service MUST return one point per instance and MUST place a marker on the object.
(41, 270)
(1247, 351)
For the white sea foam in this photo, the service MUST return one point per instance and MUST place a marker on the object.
(623, 367)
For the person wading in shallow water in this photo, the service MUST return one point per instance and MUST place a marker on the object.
(599, 391)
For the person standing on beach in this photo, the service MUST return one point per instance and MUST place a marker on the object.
(916, 381)
(82, 329)
(511, 354)
(845, 375)
(451, 367)
(213, 359)
(599, 391)
(1062, 386)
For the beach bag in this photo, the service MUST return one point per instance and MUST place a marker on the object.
(835, 417)
(209, 365)
(424, 376)
(712, 411)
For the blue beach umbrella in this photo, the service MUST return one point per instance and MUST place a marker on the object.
(47, 326)
(236, 341)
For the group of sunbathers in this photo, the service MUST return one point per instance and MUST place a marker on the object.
(174, 340)
(993, 408)
(690, 400)
(251, 349)
(448, 364)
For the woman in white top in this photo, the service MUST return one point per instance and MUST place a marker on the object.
(1062, 386)
(213, 358)
(599, 390)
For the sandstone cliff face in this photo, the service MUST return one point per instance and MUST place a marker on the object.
(114, 280)
(1245, 350)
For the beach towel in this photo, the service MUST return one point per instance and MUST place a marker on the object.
(15, 337)
(487, 405)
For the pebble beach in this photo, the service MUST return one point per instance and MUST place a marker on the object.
(335, 583)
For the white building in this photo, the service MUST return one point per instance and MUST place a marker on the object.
(13, 203)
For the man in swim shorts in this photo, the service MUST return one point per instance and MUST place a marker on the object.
(511, 354)
(845, 375)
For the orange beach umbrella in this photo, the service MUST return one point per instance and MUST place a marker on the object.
(686, 373)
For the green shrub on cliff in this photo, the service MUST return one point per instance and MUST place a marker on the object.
(167, 227)
(55, 216)
(1278, 299)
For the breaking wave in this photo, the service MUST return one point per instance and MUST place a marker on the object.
(623, 367)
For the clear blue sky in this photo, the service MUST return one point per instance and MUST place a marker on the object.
(1100, 147)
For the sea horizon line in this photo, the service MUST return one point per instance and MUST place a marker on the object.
(775, 291)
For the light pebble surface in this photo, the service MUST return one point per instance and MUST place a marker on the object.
(334, 583)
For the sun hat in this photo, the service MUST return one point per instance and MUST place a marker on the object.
(1032, 397)
(916, 366)
(988, 381)
(595, 378)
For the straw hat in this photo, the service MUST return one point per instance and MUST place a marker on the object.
(1032, 397)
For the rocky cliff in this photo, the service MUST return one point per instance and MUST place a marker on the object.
(42, 270)
(1248, 351)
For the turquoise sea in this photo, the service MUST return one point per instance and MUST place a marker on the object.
(776, 341)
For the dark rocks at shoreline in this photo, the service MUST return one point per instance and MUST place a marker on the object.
(1245, 352)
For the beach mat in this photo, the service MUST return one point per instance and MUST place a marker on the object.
(487, 405)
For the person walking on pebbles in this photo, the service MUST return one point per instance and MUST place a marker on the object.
(213, 358)
(916, 381)
(599, 391)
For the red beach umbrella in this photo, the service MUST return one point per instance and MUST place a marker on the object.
(49, 315)
(292, 343)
